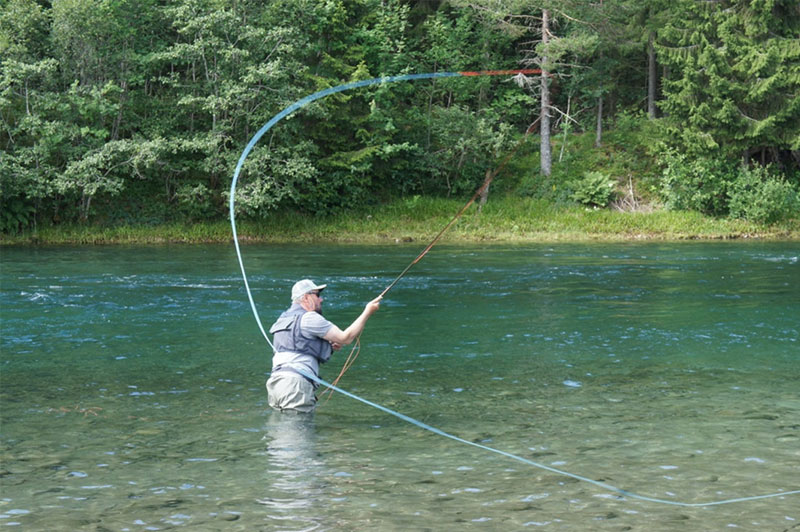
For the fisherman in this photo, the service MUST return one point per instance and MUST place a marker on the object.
(302, 340)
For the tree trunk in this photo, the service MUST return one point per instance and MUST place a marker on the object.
(27, 100)
(651, 78)
(566, 129)
(598, 138)
(430, 108)
(86, 203)
(484, 195)
(118, 121)
(546, 157)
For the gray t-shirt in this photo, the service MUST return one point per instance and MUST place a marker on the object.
(312, 325)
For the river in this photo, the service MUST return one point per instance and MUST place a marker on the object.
(133, 389)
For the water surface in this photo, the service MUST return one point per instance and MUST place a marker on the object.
(133, 389)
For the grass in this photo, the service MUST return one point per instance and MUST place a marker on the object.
(510, 219)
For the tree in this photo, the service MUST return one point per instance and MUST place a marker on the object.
(466, 120)
(734, 89)
(29, 142)
(560, 38)
(546, 157)
(229, 67)
(644, 19)
(135, 110)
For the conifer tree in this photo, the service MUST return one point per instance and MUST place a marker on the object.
(734, 90)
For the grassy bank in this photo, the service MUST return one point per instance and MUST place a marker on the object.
(419, 219)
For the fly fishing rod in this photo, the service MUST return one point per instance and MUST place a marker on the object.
(481, 190)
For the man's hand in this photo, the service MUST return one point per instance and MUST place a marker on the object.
(338, 337)
(373, 305)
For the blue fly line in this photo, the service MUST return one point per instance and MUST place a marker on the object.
(603, 485)
(299, 104)
(410, 77)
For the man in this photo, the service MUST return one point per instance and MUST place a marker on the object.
(303, 339)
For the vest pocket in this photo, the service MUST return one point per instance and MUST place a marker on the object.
(283, 324)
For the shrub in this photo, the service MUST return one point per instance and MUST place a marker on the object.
(699, 184)
(595, 189)
(196, 201)
(758, 196)
(16, 215)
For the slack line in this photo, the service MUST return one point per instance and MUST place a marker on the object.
(490, 176)
(603, 485)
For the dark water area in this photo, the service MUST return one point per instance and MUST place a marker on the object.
(132, 388)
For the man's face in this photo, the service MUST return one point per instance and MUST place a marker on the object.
(315, 300)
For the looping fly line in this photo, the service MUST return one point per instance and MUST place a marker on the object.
(299, 104)
(410, 77)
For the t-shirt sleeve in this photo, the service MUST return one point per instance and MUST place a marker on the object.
(314, 324)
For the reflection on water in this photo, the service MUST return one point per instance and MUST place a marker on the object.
(132, 393)
(295, 472)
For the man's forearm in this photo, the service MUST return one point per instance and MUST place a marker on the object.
(356, 328)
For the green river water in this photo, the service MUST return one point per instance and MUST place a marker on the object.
(133, 391)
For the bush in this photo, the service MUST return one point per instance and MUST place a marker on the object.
(196, 201)
(16, 215)
(758, 196)
(595, 189)
(699, 184)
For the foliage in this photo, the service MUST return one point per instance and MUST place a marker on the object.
(735, 87)
(629, 153)
(467, 147)
(16, 215)
(757, 195)
(195, 201)
(136, 111)
(696, 184)
(595, 189)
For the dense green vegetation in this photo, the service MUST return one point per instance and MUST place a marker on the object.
(119, 115)
(417, 219)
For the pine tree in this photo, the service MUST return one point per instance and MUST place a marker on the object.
(735, 85)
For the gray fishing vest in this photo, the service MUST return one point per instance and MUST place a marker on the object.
(287, 337)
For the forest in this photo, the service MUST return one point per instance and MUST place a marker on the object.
(136, 111)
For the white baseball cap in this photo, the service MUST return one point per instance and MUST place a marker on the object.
(303, 287)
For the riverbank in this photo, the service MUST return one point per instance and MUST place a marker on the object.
(420, 219)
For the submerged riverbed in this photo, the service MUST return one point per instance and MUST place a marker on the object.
(133, 389)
